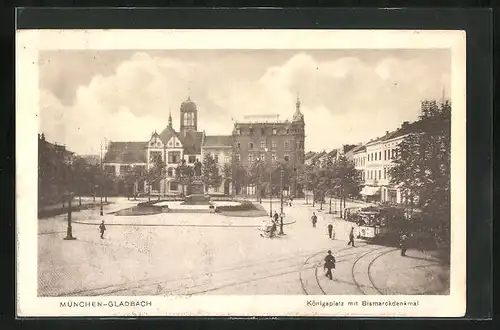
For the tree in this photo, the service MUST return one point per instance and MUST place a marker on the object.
(422, 168)
(255, 175)
(348, 179)
(239, 176)
(156, 173)
(227, 170)
(184, 175)
(210, 172)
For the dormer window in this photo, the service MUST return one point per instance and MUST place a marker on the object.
(275, 131)
(238, 131)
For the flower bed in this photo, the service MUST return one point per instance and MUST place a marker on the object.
(242, 206)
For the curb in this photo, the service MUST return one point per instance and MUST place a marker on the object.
(178, 225)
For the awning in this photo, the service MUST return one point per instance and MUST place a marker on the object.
(369, 191)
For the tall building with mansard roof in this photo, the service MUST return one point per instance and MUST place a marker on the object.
(267, 138)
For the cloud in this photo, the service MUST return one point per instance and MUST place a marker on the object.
(344, 99)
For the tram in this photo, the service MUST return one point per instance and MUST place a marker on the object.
(384, 223)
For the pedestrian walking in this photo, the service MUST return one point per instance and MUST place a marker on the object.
(314, 219)
(329, 265)
(102, 228)
(351, 237)
(276, 216)
(403, 244)
(330, 231)
(290, 201)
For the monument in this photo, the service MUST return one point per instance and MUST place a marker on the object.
(197, 196)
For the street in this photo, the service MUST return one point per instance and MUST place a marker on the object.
(189, 253)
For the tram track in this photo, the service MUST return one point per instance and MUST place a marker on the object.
(365, 288)
(316, 277)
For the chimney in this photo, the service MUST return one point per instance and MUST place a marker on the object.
(405, 124)
(386, 132)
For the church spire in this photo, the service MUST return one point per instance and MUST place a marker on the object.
(298, 116)
(297, 104)
(170, 119)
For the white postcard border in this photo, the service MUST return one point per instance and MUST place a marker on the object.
(29, 42)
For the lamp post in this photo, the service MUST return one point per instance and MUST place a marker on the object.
(102, 182)
(281, 202)
(69, 232)
(270, 184)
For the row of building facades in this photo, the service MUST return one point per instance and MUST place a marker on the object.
(257, 138)
(373, 161)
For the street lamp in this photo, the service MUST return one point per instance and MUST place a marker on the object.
(270, 185)
(281, 201)
(69, 233)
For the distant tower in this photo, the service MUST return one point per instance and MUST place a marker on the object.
(299, 132)
(189, 116)
(170, 120)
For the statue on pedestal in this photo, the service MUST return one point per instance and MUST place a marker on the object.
(197, 168)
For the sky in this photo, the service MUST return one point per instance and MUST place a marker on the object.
(347, 96)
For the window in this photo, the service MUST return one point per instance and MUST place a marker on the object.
(237, 131)
(380, 155)
(216, 158)
(226, 159)
(379, 174)
(273, 144)
(191, 159)
(174, 185)
(287, 157)
(262, 144)
(263, 157)
(385, 173)
(250, 145)
(286, 144)
(237, 157)
(238, 145)
(170, 171)
(174, 157)
(275, 131)
(154, 155)
(287, 131)
(250, 158)
(216, 189)
(262, 131)
(273, 156)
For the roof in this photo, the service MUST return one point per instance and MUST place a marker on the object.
(309, 154)
(359, 148)
(167, 134)
(406, 128)
(218, 141)
(316, 156)
(348, 147)
(192, 142)
(332, 153)
(126, 152)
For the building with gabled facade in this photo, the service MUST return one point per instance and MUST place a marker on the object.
(173, 147)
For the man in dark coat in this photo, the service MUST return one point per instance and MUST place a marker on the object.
(314, 219)
(351, 237)
(403, 243)
(102, 228)
(276, 216)
(330, 230)
(329, 264)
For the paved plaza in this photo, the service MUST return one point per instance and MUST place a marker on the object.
(189, 253)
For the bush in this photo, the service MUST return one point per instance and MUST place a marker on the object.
(244, 206)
